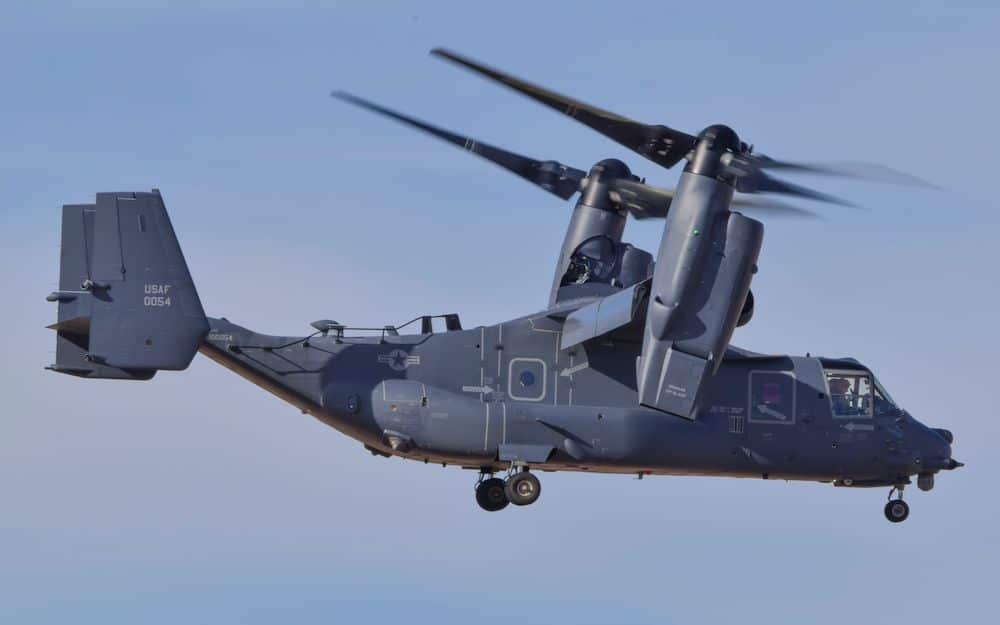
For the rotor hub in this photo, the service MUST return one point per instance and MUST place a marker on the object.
(610, 169)
(720, 138)
(713, 143)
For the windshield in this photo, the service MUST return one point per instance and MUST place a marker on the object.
(856, 393)
(851, 393)
(883, 401)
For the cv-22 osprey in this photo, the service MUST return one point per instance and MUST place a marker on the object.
(627, 370)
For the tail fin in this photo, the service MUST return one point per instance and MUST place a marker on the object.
(127, 305)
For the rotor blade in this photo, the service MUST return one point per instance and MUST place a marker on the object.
(859, 171)
(554, 177)
(772, 208)
(647, 202)
(756, 181)
(660, 144)
(642, 200)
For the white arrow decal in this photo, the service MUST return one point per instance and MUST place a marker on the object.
(850, 427)
(771, 412)
(571, 370)
(477, 389)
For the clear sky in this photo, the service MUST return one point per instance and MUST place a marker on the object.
(198, 498)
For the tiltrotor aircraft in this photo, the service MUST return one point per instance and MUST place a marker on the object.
(628, 370)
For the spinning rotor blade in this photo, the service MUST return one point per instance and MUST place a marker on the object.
(751, 178)
(646, 202)
(554, 177)
(660, 144)
(757, 181)
(639, 199)
(859, 171)
(642, 201)
(667, 146)
(773, 208)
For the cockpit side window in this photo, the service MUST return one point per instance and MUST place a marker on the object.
(594, 260)
(851, 393)
(883, 401)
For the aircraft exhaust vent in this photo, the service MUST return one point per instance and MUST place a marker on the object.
(736, 422)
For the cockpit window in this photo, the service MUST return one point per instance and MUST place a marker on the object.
(883, 401)
(594, 260)
(851, 393)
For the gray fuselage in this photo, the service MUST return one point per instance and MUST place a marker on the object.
(492, 397)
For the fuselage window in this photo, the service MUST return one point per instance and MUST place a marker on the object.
(772, 397)
(526, 379)
(850, 393)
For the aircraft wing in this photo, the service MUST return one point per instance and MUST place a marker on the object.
(605, 315)
(628, 306)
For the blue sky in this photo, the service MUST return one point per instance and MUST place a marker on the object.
(197, 497)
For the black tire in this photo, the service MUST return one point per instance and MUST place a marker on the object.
(523, 489)
(491, 495)
(897, 510)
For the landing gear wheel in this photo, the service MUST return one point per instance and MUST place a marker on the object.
(897, 510)
(523, 489)
(490, 495)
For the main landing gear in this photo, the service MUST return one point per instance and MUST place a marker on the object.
(491, 495)
(521, 488)
(896, 510)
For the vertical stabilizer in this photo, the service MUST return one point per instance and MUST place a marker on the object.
(127, 304)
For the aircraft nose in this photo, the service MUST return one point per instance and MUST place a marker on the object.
(937, 455)
(946, 435)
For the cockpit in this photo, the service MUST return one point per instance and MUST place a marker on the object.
(600, 259)
(856, 393)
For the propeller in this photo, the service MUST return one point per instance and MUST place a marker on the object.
(654, 202)
(556, 178)
(859, 171)
(552, 176)
(667, 146)
(660, 144)
(628, 192)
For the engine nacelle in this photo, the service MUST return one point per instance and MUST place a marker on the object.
(699, 292)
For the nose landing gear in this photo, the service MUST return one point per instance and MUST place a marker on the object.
(520, 488)
(896, 510)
